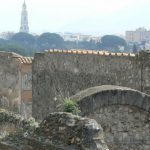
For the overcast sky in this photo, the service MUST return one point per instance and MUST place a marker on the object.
(85, 16)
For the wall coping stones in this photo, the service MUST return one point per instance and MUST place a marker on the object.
(91, 52)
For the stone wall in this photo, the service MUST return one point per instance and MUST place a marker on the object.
(26, 89)
(123, 113)
(16, 83)
(10, 96)
(60, 74)
(59, 131)
(13, 129)
(11, 123)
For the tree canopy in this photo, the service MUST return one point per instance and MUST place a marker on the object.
(112, 41)
(27, 44)
(50, 40)
(24, 39)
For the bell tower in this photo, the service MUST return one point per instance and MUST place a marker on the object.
(24, 19)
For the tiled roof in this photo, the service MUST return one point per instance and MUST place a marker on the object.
(25, 60)
(92, 52)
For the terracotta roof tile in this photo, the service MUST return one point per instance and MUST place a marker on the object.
(125, 54)
(132, 55)
(101, 53)
(119, 54)
(92, 52)
(25, 60)
(113, 54)
(106, 53)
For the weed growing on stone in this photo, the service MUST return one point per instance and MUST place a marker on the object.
(71, 106)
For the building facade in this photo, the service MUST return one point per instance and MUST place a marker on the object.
(139, 35)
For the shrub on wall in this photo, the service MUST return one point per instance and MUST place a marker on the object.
(71, 106)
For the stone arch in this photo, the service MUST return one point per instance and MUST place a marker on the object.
(123, 113)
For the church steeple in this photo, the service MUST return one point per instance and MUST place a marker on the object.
(24, 19)
(24, 5)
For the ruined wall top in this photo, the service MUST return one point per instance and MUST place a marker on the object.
(58, 131)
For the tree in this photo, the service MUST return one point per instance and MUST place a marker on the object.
(112, 42)
(50, 41)
(2, 42)
(134, 50)
(10, 46)
(24, 39)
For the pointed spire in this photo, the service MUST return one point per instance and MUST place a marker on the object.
(24, 19)
(24, 4)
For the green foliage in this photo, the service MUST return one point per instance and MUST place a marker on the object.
(71, 106)
(10, 46)
(50, 41)
(112, 42)
(24, 39)
(26, 44)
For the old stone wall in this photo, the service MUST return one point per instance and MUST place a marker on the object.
(16, 83)
(11, 123)
(123, 113)
(73, 132)
(144, 63)
(59, 74)
(26, 89)
(10, 96)
(13, 129)
(58, 131)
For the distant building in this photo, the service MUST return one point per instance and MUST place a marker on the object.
(78, 37)
(139, 35)
(24, 19)
(6, 35)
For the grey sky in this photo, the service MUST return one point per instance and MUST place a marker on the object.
(86, 16)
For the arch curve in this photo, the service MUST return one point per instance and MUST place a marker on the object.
(93, 98)
(123, 113)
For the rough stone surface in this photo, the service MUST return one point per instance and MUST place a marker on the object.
(10, 96)
(11, 123)
(73, 132)
(123, 113)
(15, 83)
(125, 127)
(59, 131)
(57, 75)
